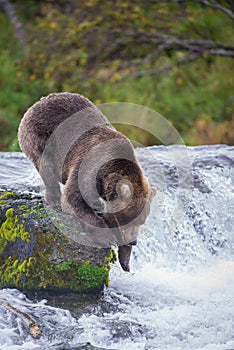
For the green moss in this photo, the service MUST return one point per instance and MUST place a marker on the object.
(68, 275)
(10, 213)
(6, 196)
(13, 272)
(65, 266)
(38, 270)
(33, 209)
(11, 229)
(112, 258)
(32, 274)
(83, 276)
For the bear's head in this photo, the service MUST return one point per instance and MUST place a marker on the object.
(126, 198)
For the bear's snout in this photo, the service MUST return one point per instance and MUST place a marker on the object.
(124, 255)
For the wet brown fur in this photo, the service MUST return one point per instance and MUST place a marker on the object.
(36, 128)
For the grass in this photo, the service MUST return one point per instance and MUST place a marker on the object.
(180, 96)
(183, 96)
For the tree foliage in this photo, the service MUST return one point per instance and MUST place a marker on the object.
(115, 39)
(94, 45)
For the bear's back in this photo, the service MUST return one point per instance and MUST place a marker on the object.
(40, 120)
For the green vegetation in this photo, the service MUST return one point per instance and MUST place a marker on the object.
(6, 196)
(28, 260)
(32, 208)
(34, 274)
(13, 272)
(174, 57)
(11, 229)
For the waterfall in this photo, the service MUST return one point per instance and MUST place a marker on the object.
(180, 291)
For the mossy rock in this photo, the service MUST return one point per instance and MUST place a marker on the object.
(35, 255)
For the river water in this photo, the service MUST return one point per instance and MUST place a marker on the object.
(180, 292)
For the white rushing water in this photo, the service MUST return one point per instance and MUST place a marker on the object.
(180, 292)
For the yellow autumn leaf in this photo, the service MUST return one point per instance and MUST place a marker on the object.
(97, 101)
(116, 77)
(46, 75)
(137, 9)
(32, 77)
(180, 81)
(53, 25)
(83, 61)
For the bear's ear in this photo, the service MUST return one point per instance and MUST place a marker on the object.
(125, 190)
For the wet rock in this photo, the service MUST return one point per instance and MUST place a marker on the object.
(36, 255)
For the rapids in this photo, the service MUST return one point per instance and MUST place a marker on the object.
(180, 292)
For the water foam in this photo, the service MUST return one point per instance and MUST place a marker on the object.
(180, 293)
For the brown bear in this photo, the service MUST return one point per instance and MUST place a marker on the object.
(71, 142)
